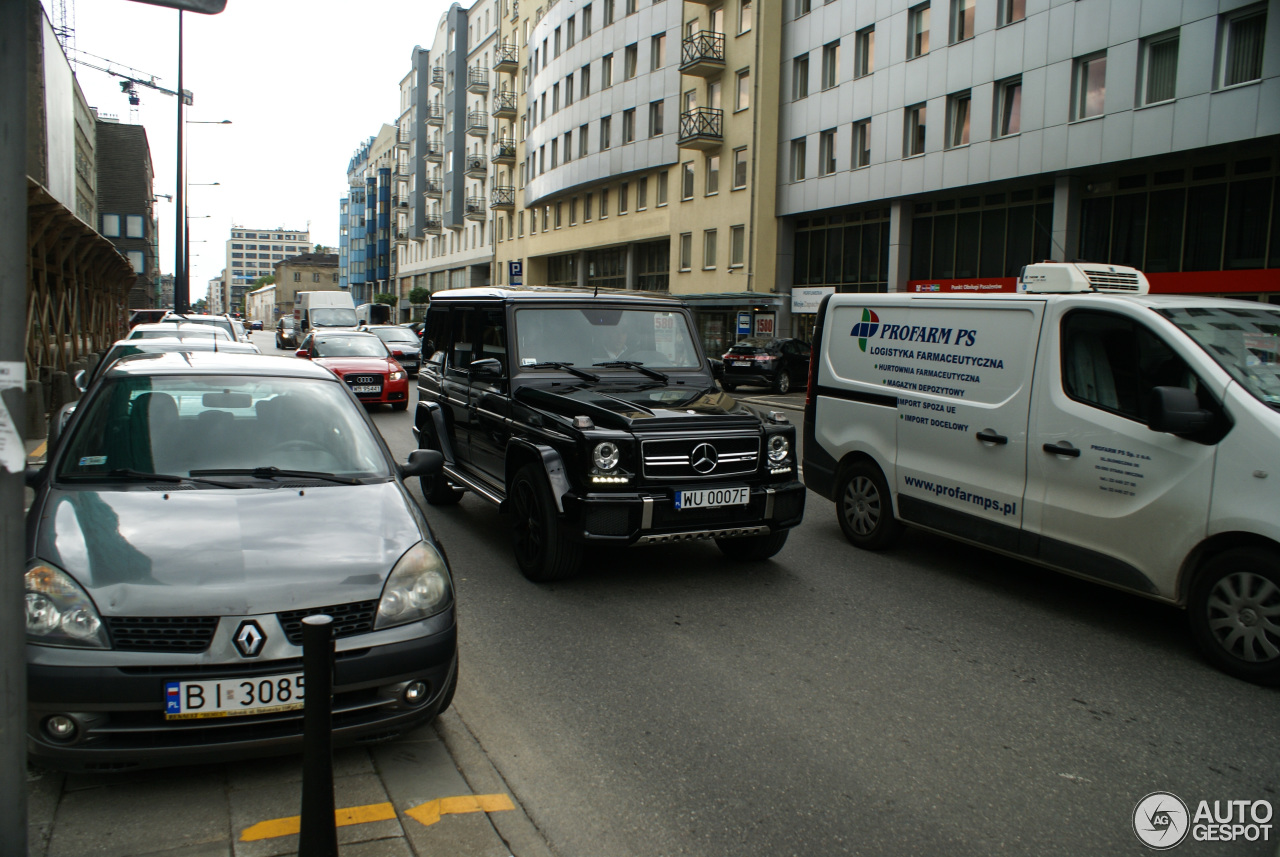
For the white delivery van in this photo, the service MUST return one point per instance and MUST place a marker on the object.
(329, 309)
(1082, 424)
(367, 314)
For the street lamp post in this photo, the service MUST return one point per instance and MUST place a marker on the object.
(182, 270)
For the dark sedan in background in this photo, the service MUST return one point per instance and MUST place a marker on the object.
(777, 363)
(402, 342)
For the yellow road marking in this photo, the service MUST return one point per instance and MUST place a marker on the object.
(429, 813)
(341, 818)
(40, 450)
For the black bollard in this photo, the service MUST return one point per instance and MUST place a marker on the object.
(318, 834)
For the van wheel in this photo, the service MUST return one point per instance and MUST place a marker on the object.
(1234, 610)
(864, 507)
(753, 548)
(783, 384)
(545, 551)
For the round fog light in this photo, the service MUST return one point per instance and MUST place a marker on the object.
(61, 728)
(415, 693)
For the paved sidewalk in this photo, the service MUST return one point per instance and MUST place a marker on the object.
(424, 794)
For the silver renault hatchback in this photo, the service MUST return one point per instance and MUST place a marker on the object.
(197, 507)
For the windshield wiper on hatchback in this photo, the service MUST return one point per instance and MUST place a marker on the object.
(568, 367)
(634, 364)
(277, 473)
(143, 476)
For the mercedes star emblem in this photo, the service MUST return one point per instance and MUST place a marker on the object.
(249, 638)
(704, 458)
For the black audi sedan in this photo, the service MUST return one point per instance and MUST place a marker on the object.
(760, 362)
(198, 506)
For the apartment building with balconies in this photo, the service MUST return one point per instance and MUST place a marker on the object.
(367, 217)
(939, 146)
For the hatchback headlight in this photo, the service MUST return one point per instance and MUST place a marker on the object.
(60, 613)
(606, 455)
(417, 588)
(779, 446)
(396, 375)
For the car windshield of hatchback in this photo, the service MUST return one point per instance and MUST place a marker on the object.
(348, 346)
(176, 424)
(1244, 341)
(591, 337)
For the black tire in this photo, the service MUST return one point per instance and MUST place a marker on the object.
(727, 387)
(783, 385)
(1234, 610)
(400, 406)
(544, 550)
(864, 507)
(437, 489)
(753, 548)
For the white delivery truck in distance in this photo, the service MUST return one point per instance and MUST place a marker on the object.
(367, 314)
(1082, 424)
(330, 309)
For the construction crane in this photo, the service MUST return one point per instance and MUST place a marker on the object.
(130, 77)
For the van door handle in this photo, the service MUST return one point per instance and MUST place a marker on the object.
(1062, 448)
(988, 436)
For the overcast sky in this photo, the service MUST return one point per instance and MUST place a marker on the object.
(302, 82)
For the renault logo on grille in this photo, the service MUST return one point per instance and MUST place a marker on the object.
(249, 638)
(704, 458)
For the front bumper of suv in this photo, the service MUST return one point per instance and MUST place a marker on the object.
(649, 515)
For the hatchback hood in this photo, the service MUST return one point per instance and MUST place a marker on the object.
(643, 406)
(208, 552)
(356, 365)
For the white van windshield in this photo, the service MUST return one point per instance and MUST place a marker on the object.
(333, 317)
(1244, 341)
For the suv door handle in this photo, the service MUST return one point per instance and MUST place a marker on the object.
(988, 436)
(1062, 448)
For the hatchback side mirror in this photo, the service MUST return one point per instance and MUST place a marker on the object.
(423, 462)
(303, 353)
(1176, 410)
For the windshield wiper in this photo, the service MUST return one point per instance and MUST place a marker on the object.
(143, 476)
(277, 473)
(637, 365)
(568, 367)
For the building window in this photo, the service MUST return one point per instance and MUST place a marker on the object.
(1010, 11)
(629, 57)
(631, 7)
(798, 151)
(570, 37)
(740, 168)
(583, 145)
(655, 118)
(708, 249)
(803, 7)
(642, 193)
(604, 203)
(573, 211)
(629, 125)
(961, 20)
(605, 122)
(608, 12)
(588, 206)
(862, 144)
(315, 278)
(606, 71)
(1008, 107)
(559, 214)
(297, 276)
(555, 153)
(913, 142)
(827, 152)
(713, 175)
(1241, 36)
(557, 41)
(686, 180)
(737, 245)
(624, 197)
(1090, 86)
(555, 98)
(830, 64)
(111, 225)
(657, 51)
(586, 20)
(864, 52)
(133, 226)
(918, 31)
(1159, 68)
(744, 89)
(800, 78)
(958, 119)
(744, 16)
(568, 146)
(662, 188)
(686, 251)
(584, 82)
(137, 261)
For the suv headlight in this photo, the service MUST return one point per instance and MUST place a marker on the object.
(417, 588)
(59, 612)
(606, 455)
(779, 446)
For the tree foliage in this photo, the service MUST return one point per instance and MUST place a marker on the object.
(384, 298)
(419, 295)
(268, 280)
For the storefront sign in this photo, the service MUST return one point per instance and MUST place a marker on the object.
(765, 324)
(808, 299)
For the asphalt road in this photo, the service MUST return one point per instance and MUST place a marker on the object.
(931, 699)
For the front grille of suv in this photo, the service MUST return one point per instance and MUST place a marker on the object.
(700, 457)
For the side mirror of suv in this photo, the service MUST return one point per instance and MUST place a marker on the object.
(486, 366)
(1176, 410)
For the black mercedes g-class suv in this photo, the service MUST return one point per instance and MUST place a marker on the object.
(593, 417)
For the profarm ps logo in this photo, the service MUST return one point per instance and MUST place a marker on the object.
(866, 328)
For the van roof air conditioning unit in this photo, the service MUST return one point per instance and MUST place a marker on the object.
(1047, 278)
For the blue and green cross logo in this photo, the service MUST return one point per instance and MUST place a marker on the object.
(866, 328)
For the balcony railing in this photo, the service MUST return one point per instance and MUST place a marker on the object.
(400, 201)
(473, 208)
(402, 236)
(434, 188)
(504, 104)
(435, 151)
(477, 80)
(702, 54)
(403, 169)
(433, 224)
(506, 57)
(503, 197)
(478, 123)
(437, 76)
(476, 166)
(504, 151)
(701, 128)
(403, 137)
(435, 114)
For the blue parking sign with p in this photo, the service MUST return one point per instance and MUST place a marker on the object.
(515, 273)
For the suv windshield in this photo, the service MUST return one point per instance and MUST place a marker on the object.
(1245, 342)
(332, 317)
(174, 424)
(590, 336)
